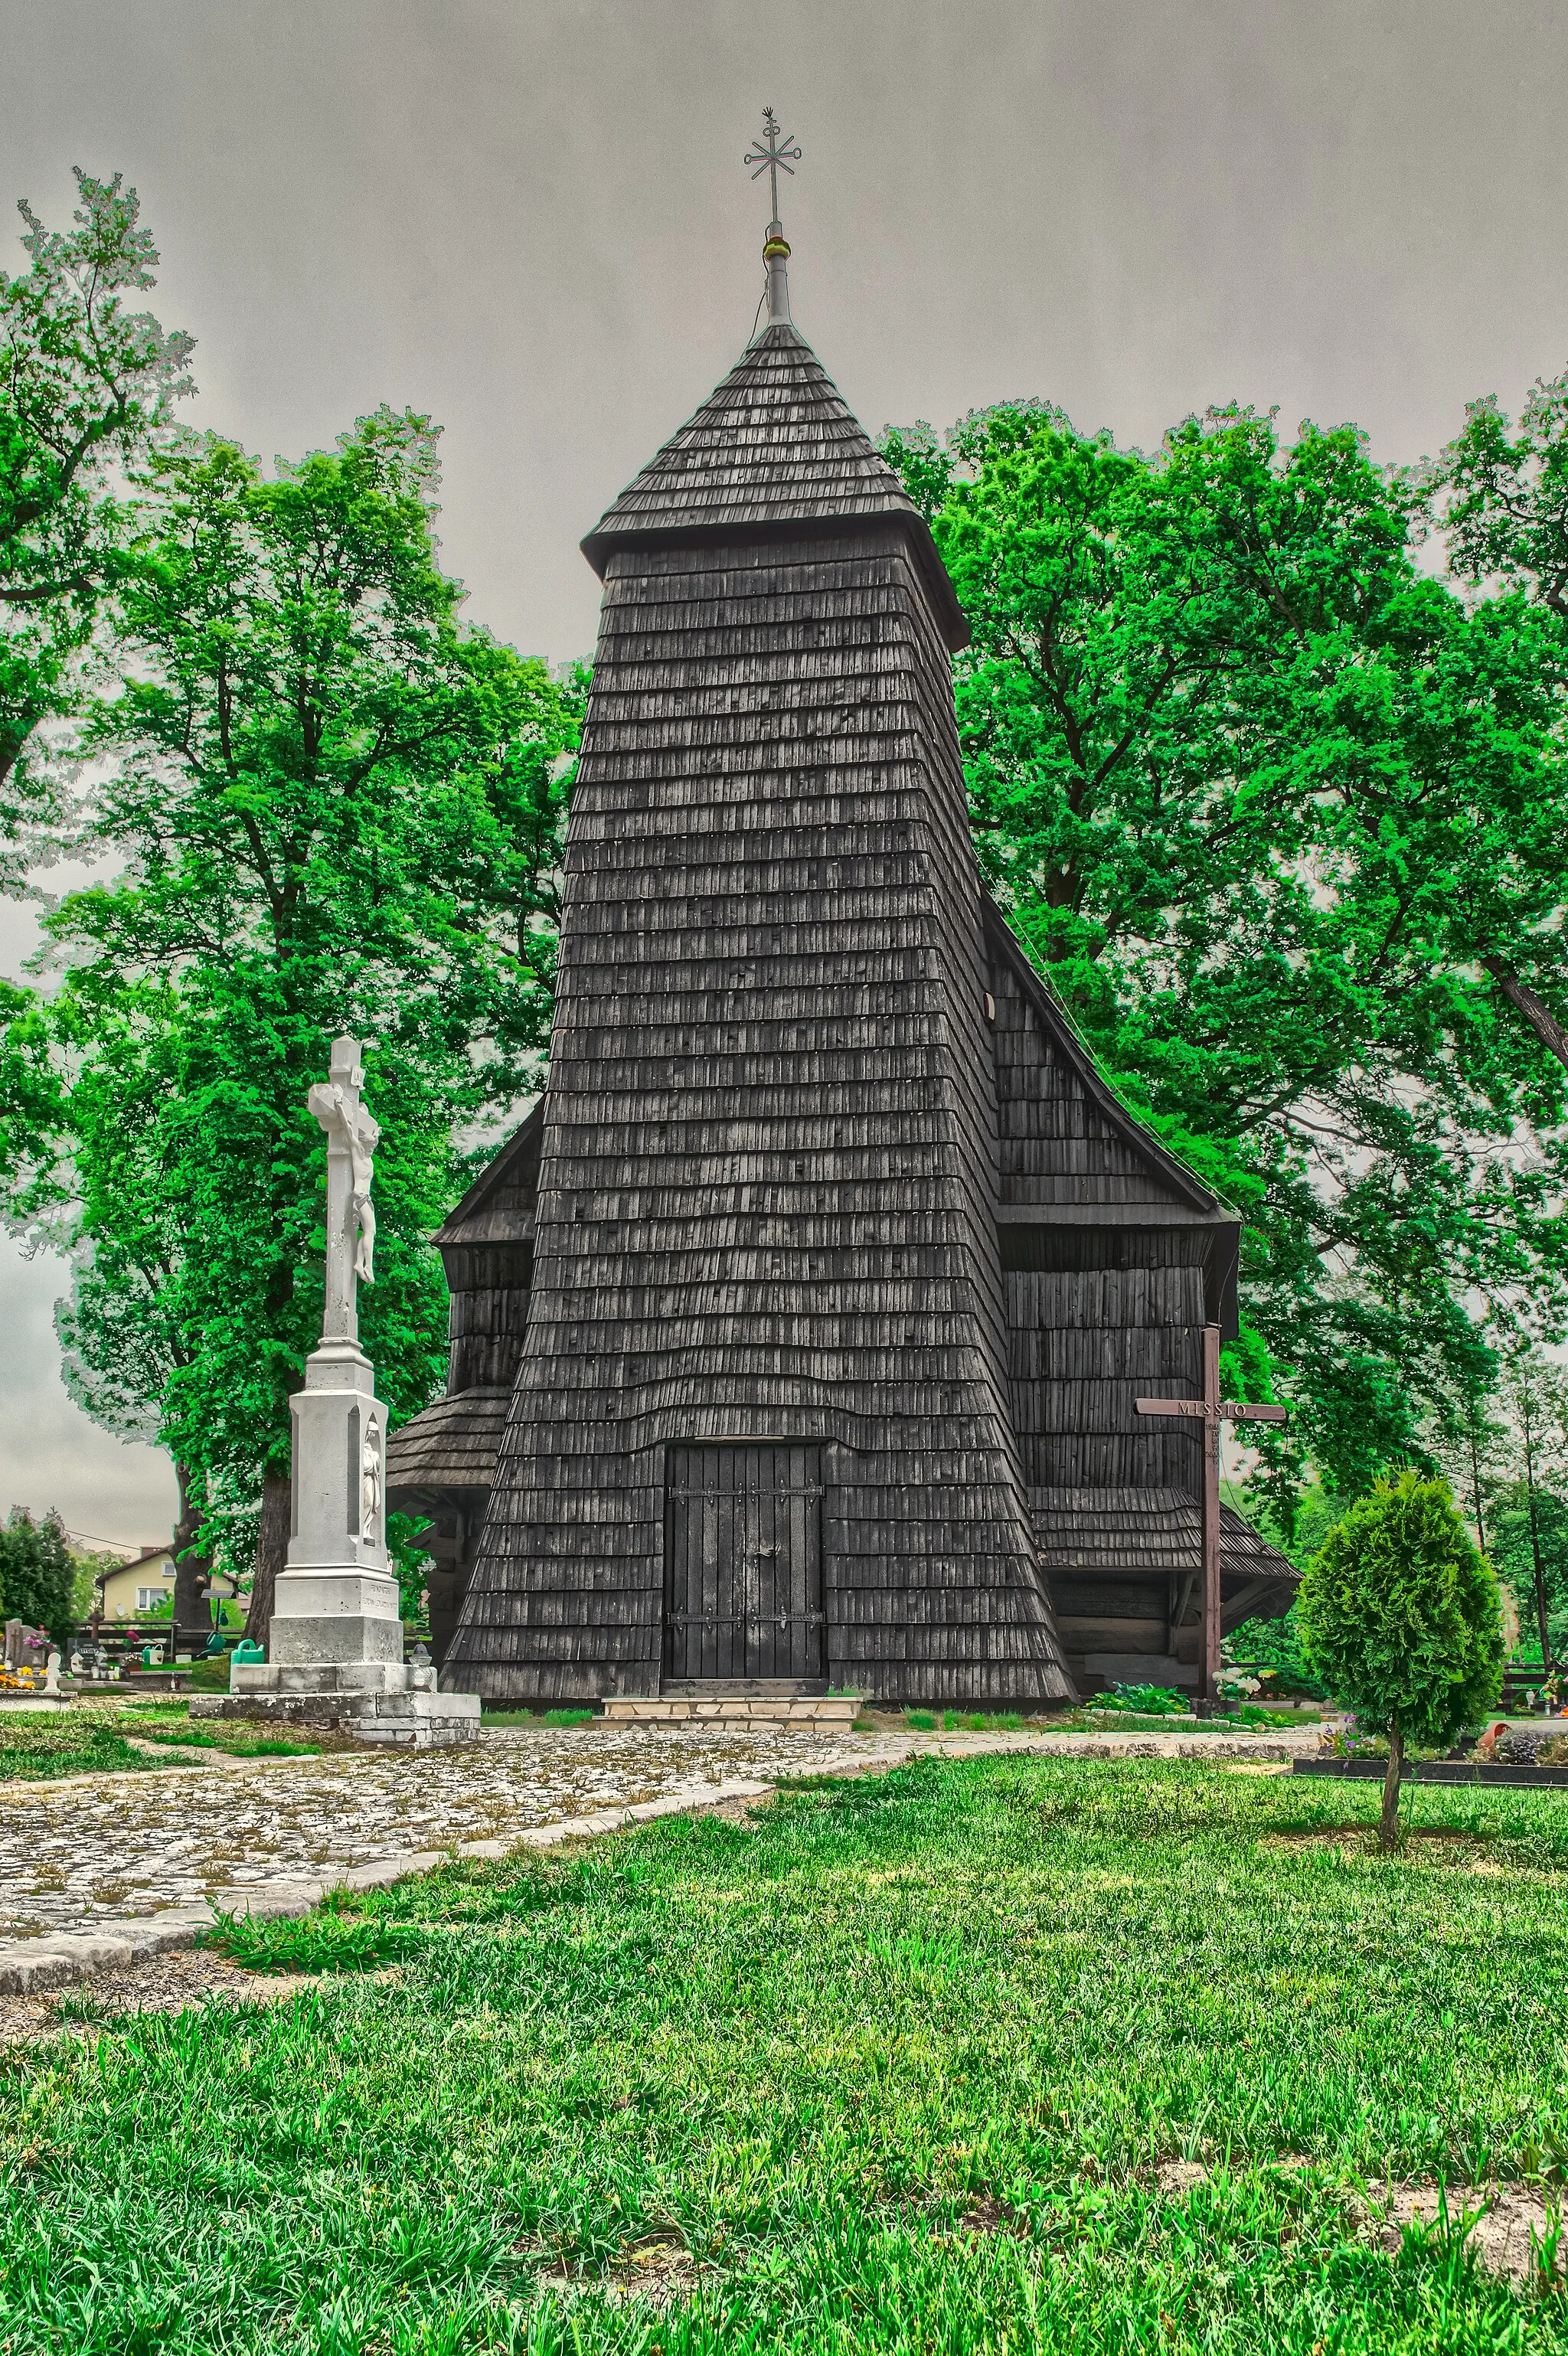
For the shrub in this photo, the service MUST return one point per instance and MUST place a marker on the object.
(1402, 1615)
(1276, 1644)
(38, 1576)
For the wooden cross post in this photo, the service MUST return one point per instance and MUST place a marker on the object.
(1214, 1411)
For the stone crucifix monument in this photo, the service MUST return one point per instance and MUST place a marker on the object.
(335, 1652)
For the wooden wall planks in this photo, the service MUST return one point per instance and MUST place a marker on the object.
(770, 1160)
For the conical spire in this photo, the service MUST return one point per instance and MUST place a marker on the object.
(774, 452)
(775, 442)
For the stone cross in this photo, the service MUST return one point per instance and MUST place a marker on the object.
(352, 1137)
(1212, 1410)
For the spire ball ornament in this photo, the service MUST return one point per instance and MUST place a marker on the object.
(772, 153)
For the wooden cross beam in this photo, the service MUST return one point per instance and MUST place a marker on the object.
(1213, 1411)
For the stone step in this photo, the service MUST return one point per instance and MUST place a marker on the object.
(803, 1713)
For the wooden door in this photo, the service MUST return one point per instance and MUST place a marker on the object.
(744, 1561)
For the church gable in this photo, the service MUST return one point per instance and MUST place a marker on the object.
(499, 1207)
(1067, 1144)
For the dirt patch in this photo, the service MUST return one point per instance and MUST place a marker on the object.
(985, 2214)
(658, 2270)
(171, 1983)
(1178, 2176)
(742, 1812)
(1513, 2229)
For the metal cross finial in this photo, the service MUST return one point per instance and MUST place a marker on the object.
(771, 152)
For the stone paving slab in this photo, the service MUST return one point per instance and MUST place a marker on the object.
(100, 1870)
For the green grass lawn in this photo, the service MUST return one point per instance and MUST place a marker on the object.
(46, 1743)
(893, 2066)
(36, 1744)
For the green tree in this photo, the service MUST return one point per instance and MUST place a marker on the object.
(1530, 1553)
(340, 810)
(38, 1574)
(1227, 753)
(1500, 497)
(1400, 1612)
(1529, 1455)
(86, 385)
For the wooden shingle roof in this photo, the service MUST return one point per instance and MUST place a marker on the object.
(499, 1205)
(449, 1447)
(773, 453)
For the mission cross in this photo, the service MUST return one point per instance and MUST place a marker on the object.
(1214, 1411)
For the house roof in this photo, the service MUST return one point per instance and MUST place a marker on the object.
(450, 1447)
(1101, 1534)
(774, 452)
(164, 1553)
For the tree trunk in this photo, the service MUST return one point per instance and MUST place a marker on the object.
(193, 1568)
(1540, 1619)
(271, 1554)
(1389, 1835)
(13, 734)
(1475, 1486)
(1540, 1017)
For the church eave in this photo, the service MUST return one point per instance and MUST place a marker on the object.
(741, 529)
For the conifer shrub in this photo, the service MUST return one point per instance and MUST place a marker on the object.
(1402, 1616)
(36, 1574)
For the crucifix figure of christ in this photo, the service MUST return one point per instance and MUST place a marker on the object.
(1213, 1411)
(352, 1136)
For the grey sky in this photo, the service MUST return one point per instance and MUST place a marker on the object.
(532, 219)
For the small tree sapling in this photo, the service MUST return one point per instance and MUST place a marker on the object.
(1402, 1615)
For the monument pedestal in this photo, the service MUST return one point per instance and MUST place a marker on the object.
(336, 1643)
(408, 1714)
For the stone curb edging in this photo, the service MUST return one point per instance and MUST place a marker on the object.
(58, 1959)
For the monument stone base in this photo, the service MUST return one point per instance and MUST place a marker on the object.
(405, 1715)
(336, 1646)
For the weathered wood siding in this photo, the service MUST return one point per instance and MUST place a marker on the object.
(766, 1195)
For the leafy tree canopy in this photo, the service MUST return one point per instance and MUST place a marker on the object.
(38, 1575)
(85, 383)
(339, 808)
(1261, 799)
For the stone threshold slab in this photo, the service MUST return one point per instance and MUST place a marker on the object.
(811, 1714)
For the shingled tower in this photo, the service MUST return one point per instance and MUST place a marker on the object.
(761, 1427)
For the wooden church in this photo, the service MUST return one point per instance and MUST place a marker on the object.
(796, 1334)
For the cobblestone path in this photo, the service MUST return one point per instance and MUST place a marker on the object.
(77, 1854)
